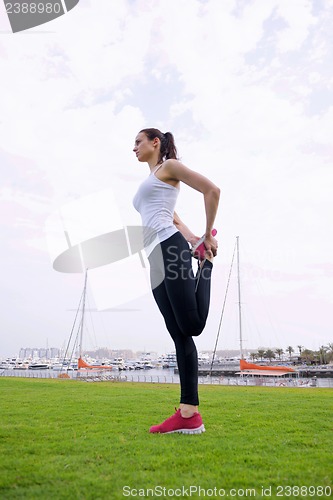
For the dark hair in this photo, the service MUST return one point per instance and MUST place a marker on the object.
(168, 148)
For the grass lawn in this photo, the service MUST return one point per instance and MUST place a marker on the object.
(66, 439)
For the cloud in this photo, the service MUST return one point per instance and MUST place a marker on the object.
(299, 19)
(244, 86)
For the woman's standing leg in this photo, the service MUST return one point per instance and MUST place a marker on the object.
(185, 310)
(188, 373)
(186, 351)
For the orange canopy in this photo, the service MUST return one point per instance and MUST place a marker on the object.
(83, 364)
(244, 365)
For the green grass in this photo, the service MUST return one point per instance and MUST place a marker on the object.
(65, 439)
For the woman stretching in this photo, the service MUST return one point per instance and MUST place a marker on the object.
(182, 298)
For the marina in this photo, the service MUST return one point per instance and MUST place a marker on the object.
(239, 369)
(169, 376)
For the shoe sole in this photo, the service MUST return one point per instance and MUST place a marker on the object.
(198, 430)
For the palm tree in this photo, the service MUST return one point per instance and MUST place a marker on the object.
(289, 350)
(269, 354)
(307, 355)
(330, 351)
(300, 347)
(253, 356)
(279, 352)
(261, 353)
(322, 354)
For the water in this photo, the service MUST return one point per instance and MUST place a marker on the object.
(153, 375)
(161, 376)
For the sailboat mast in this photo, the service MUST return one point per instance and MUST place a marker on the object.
(83, 312)
(239, 304)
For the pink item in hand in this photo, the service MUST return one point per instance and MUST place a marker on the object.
(199, 249)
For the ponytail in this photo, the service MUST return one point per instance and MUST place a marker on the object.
(168, 148)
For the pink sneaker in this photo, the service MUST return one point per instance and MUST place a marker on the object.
(177, 423)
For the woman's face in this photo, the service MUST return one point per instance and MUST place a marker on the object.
(144, 148)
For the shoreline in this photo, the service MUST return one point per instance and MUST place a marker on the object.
(169, 376)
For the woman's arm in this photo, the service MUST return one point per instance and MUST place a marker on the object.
(184, 230)
(174, 170)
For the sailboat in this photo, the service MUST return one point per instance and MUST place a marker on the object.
(81, 363)
(247, 368)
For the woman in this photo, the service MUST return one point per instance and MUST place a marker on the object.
(182, 298)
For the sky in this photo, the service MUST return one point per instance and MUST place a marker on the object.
(246, 87)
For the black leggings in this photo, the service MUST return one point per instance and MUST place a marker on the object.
(184, 304)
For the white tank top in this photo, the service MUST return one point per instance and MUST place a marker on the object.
(155, 200)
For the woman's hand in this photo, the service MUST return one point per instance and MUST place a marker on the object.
(211, 244)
